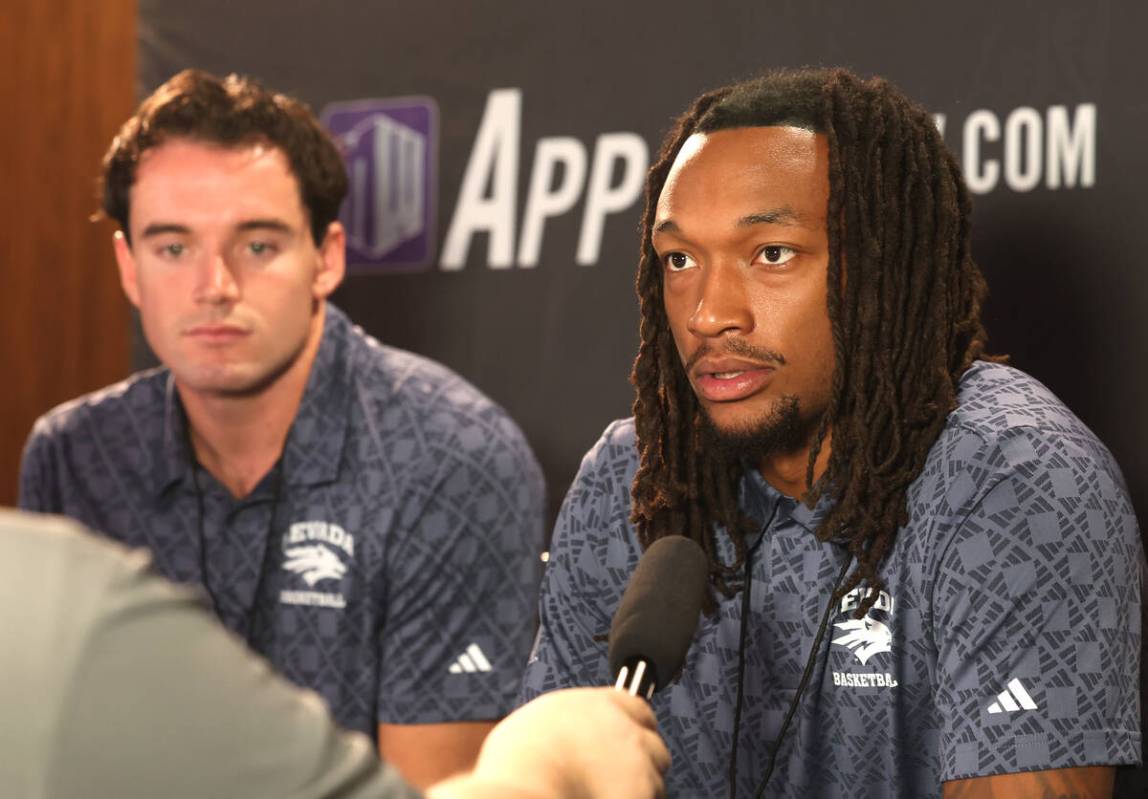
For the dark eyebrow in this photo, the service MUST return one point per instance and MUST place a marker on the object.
(774, 216)
(276, 225)
(160, 228)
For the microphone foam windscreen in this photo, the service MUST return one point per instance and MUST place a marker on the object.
(659, 611)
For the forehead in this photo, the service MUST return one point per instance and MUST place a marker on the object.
(744, 171)
(186, 181)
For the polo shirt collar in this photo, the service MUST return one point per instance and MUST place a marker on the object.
(761, 500)
(317, 436)
(174, 460)
(319, 433)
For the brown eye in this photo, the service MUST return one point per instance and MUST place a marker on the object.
(677, 261)
(777, 254)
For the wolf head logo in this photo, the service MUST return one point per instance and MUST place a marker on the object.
(314, 562)
(864, 637)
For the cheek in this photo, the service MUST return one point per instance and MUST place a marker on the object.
(158, 304)
(816, 331)
(820, 348)
(159, 286)
(160, 325)
(805, 335)
(286, 304)
(679, 328)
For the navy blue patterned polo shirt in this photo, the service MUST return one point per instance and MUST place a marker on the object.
(1007, 638)
(388, 562)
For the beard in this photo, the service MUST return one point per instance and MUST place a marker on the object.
(782, 430)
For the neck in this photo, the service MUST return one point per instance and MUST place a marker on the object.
(787, 471)
(238, 438)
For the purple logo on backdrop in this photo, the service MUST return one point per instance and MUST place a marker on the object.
(391, 149)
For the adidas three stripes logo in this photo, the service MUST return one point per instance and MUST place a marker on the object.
(1014, 697)
(471, 661)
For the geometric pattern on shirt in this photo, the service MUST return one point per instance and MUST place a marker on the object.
(1021, 560)
(435, 483)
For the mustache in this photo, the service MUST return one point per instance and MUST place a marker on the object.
(739, 348)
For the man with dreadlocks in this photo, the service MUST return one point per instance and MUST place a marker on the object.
(926, 571)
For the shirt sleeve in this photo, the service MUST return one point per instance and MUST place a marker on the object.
(591, 556)
(463, 579)
(1037, 614)
(165, 702)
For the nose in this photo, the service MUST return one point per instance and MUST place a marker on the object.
(723, 303)
(216, 284)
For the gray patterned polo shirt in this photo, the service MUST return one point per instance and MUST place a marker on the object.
(390, 562)
(1007, 639)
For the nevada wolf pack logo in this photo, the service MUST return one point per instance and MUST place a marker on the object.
(865, 637)
(317, 552)
(314, 563)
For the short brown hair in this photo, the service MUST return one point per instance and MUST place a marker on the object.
(228, 112)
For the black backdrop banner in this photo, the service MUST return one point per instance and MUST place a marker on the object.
(497, 154)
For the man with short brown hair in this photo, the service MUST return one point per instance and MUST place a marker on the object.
(360, 515)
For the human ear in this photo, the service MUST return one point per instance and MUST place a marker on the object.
(126, 262)
(332, 261)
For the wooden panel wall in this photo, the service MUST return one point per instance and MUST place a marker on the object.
(67, 77)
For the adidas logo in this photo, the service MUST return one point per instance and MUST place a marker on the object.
(470, 661)
(1014, 697)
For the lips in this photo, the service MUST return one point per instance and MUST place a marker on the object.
(730, 379)
(214, 334)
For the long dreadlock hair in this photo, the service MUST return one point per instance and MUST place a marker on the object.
(905, 322)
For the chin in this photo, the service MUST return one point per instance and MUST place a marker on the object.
(235, 374)
(746, 417)
(232, 381)
(753, 436)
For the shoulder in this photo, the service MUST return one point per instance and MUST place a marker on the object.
(118, 403)
(1009, 425)
(592, 554)
(994, 400)
(427, 393)
(613, 460)
(1015, 469)
(394, 378)
(597, 506)
(427, 421)
(127, 412)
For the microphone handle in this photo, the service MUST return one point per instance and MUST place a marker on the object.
(637, 677)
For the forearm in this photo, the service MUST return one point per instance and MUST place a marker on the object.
(426, 754)
(471, 786)
(1092, 782)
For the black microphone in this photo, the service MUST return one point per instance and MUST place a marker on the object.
(657, 616)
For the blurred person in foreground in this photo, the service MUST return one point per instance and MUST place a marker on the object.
(117, 683)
